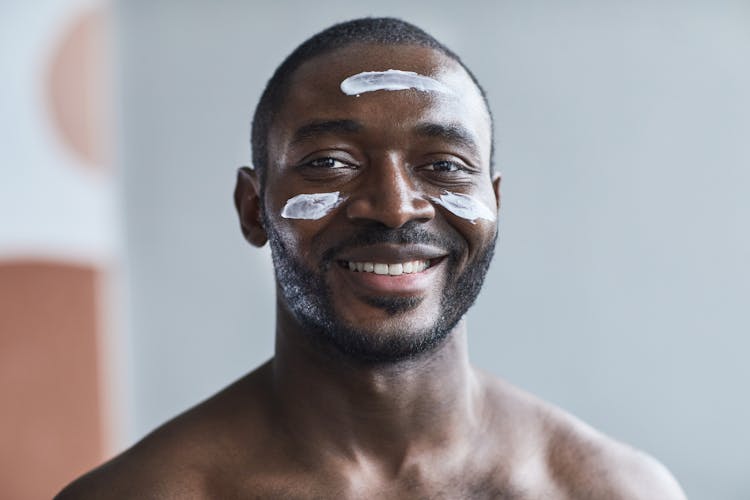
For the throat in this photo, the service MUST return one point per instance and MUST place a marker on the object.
(387, 410)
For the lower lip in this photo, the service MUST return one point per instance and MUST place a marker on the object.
(402, 284)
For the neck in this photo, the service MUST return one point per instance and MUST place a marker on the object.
(387, 412)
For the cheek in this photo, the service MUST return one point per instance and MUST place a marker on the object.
(284, 229)
(312, 206)
(478, 236)
(297, 220)
(465, 206)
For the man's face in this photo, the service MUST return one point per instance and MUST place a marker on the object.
(390, 155)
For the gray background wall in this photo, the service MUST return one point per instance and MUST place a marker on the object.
(620, 288)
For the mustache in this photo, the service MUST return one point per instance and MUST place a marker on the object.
(410, 233)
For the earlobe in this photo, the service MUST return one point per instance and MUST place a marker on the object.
(247, 203)
(496, 180)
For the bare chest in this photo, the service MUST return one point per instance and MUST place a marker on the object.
(470, 486)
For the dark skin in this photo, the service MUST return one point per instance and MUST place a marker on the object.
(312, 423)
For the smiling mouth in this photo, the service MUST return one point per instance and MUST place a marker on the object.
(395, 269)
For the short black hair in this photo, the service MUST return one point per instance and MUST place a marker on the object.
(368, 30)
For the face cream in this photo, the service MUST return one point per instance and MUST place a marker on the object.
(464, 206)
(311, 206)
(393, 79)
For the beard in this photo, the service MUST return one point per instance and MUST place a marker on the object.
(309, 298)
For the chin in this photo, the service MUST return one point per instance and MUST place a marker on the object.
(387, 341)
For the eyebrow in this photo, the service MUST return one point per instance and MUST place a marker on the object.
(317, 128)
(451, 133)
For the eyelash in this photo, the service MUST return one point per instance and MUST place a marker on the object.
(315, 163)
(454, 167)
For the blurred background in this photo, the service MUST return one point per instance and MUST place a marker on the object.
(621, 282)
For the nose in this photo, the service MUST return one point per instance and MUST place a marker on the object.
(387, 194)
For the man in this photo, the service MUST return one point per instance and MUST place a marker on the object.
(373, 184)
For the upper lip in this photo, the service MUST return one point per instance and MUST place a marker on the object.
(389, 253)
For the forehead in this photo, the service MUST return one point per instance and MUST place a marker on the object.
(314, 92)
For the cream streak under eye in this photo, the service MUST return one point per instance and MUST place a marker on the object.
(311, 206)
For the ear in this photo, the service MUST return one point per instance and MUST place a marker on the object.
(496, 180)
(247, 202)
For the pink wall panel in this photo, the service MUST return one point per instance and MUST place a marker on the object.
(50, 422)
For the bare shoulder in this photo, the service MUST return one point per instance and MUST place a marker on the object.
(136, 473)
(582, 462)
(593, 465)
(181, 458)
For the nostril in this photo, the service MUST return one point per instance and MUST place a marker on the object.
(388, 212)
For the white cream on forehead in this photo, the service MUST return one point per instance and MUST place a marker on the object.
(392, 79)
(464, 206)
(311, 206)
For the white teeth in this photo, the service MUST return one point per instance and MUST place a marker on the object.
(395, 269)
(381, 268)
(413, 266)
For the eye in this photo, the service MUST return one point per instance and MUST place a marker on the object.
(327, 163)
(339, 167)
(444, 167)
